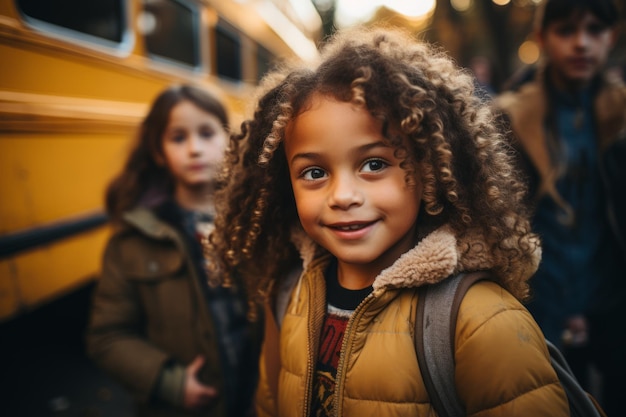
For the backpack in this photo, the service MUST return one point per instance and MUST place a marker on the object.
(437, 311)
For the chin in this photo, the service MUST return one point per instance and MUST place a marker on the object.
(581, 77)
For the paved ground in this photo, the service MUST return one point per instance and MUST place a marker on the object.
(44, 371)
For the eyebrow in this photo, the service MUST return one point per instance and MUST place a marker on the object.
(363, 148)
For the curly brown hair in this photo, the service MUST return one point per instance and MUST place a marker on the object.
(414, 88)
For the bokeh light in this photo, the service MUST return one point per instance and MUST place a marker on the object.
(528, 52)
(461, 5)
(410, 8)
(351, 12)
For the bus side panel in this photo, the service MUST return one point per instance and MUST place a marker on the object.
(67, 121)
(50, 177)
(46, 273)
(34, 65)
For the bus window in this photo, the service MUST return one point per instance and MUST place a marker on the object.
(171, 30)
(265, 59)
(103, 19)
(228, 51)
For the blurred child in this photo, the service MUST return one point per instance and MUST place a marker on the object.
(178, 344)
(569, 124)
(379, 171)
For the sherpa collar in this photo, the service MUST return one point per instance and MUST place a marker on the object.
(435, 257)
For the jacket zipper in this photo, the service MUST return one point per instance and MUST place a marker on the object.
(313, 344)
(346, 348)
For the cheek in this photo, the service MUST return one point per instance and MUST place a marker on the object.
(603, 49)
(170, 156)
(305, 205)
(398, 189)
(402, 199)
(219, 143)
(215, 152)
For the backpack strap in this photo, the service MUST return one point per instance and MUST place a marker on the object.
(436, 358)
(581, 403)
(434, 345)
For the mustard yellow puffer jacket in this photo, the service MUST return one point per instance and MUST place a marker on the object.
(502, 363)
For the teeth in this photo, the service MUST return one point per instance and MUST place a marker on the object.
(351, 227)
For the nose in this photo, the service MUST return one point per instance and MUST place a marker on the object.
(582, 38)
(345, 192)
(194, 144)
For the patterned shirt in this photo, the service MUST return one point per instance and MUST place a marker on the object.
(341, 303)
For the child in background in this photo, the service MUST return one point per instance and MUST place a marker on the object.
(569, 125)
(379, 171)
(180, 345)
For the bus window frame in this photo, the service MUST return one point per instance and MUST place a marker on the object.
(236, 35)
(121, 49)
(197, 29)
(264, 56)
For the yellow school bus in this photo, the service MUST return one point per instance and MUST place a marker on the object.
(76, 77)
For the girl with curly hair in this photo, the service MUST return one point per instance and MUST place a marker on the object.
(378, 171)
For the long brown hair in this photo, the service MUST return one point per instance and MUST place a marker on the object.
(143, 177)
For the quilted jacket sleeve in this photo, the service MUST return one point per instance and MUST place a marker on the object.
(502, 362)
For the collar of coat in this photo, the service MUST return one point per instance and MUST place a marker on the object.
(436, 257)
(149, 223)
(527, 109)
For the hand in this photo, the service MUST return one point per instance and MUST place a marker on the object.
(197, 395)
(576, 331)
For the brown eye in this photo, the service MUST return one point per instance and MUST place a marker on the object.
(177, 138)
(313, 174)
(374, 165)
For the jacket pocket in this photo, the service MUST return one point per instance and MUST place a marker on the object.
(151, 261)
(162, 279)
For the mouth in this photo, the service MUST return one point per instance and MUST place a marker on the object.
(198, 167)
(351, 230)
(349, 227)
(581, 62)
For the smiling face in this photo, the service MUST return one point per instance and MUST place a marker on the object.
(193, 146)
(351, 193)
(577, 47)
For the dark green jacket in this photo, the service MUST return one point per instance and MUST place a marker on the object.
(150, 310)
